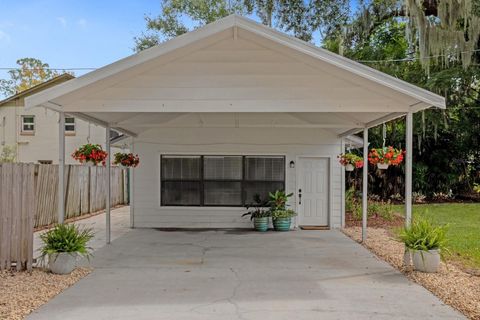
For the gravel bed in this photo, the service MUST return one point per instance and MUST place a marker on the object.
(451, 284)
(23, 292)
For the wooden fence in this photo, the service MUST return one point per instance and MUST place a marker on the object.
(85, 191)
(17, 206)
(29, 198)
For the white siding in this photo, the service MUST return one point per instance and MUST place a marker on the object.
(223, 141)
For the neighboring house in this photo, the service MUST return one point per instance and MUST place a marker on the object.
(234, 109)
(34, 133)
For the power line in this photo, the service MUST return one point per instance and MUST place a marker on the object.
(413, 59)
(362, 61)
(53, 69)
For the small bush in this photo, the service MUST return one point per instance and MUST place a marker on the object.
(66, 238)
(423, 235)
(375, 208)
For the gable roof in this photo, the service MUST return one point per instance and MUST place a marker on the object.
(37, 88)
(366, 72)
(361, 96)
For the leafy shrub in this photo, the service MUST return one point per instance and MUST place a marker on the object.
(350, 199)
(418, 197)
(375, 208)
(258, 208)
(288, 213)
(66, 238)
(440, 196)
(476, 187)
(423, 235)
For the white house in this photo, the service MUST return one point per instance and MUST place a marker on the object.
(233, 109)
(33, 133)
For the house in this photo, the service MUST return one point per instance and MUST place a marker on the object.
(33, 133)
(234, 109)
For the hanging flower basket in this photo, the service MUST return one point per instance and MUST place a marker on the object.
(128, 160)
(90, 154)
(350, 161)
(386, 156)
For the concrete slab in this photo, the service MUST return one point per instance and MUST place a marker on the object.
(231, 274)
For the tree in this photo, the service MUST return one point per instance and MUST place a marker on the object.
(301, 18)
(8, 154)
(31, 72)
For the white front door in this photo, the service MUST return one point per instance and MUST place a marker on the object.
(312, 192)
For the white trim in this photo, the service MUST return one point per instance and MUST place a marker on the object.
(330, 185)
(342, 188)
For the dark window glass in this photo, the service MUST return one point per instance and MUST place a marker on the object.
(225, 193)
(260, 188)
(222, 168)
(181, 193)
(219, 180)
(265, 168)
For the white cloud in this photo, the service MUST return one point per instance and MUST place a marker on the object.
(62, 21)
(4, 37)
(82, 23)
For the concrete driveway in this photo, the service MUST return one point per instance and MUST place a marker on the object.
(152, 274)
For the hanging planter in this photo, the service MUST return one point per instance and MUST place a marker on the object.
(90, 154)
(126, 160)
(386, 156)
(350, 161)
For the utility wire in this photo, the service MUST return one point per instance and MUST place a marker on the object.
(362, 61)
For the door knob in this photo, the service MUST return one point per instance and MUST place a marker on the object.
(299, 196)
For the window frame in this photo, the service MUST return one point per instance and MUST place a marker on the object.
(243, 181)
(22, 125)
(74, 124)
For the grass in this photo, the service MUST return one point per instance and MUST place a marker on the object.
(463, 234)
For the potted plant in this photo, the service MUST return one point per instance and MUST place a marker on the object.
(383, 157)
(63, 244)
(281, 217)
(126, 160)
(426, 243)
(350, 161)
(259, 213)
(90, 154)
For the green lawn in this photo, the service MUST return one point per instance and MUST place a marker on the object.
(464, 227)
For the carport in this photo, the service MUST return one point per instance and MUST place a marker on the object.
(239, 81)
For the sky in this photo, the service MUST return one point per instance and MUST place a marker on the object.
(71, 33)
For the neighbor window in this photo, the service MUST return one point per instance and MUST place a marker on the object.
(28, 124)
(219, 180)
(69, 125)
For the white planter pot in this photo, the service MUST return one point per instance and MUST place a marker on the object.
(62, 263)
(349, 167)
(124, 167)
(89, 164)
(382, 166)
(426, 261)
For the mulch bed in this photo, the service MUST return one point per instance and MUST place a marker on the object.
(451, 284)
(23, 292)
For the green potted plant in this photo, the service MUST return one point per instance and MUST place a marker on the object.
(281, 216)
(259, 212)
(63, 244)
(350, 161)
(90, 154)
(426, 242)
(126, 160)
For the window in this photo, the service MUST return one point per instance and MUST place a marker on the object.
(69, 125)
(219, 180)
(28, 124)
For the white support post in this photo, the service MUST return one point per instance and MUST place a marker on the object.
(61, 168)
(108, 184)
(365, 185)
(132, 196)
(342, 150)
(408, 169)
